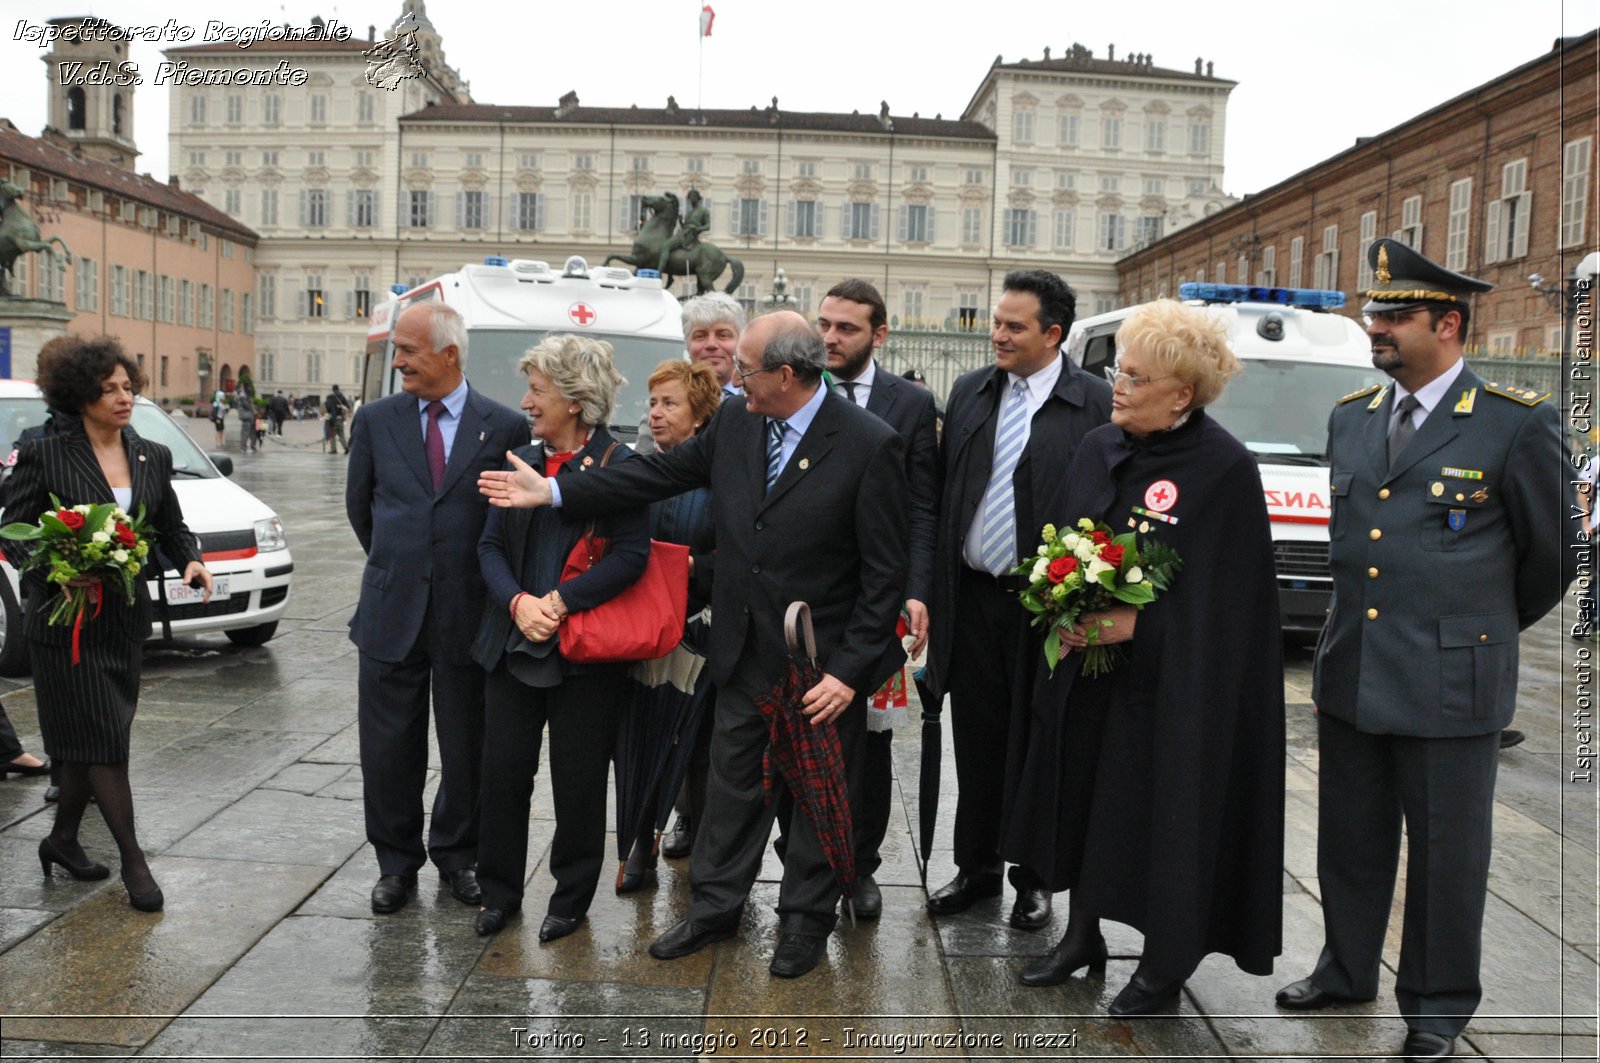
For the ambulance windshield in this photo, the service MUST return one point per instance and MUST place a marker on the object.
(1279, 409)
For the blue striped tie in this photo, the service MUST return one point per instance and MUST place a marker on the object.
(775, 430)
(998, 546)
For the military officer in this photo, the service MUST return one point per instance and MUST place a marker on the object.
(1446, 541)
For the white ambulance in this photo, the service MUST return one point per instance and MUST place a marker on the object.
(1299, 359)
(510, 305)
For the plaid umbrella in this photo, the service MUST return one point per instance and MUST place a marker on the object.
(810, 757)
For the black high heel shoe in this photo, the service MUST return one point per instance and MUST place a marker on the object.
(1146, 994)
(1061, 962)
(88, 871)
(150, 900)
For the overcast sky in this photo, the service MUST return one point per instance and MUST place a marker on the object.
(1311, 78)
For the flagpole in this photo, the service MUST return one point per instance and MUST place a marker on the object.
(700, 72)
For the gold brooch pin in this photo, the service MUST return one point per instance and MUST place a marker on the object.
(1437, 488)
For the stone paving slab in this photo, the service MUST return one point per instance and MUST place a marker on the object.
(18, 923)
(310, 704)
(272, 826)
(379, 983)
(104, 974)
(499, 1017)
(41, 1051)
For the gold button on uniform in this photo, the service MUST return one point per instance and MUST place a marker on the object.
(1372, 614)
(1372, 573)
(1376, 533)
(1483, 638)
(1383, 493)
(1461, 498)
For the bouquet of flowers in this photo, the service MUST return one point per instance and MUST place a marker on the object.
(85, 550)
(1086, 569)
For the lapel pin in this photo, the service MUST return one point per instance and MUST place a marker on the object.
(805, 463)
(141, 457)
(482, 436)
(588, 461)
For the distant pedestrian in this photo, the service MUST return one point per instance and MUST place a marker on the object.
(335, 406)
(246, 408)
(277, 412)
(219, 413)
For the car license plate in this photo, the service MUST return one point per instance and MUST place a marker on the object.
(179, 593)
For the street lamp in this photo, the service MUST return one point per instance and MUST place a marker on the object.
(780, 299)
(1567, 297)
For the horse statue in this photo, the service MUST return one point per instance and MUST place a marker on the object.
(703, 261)
(19, 235)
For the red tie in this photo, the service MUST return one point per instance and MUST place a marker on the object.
(435, 444)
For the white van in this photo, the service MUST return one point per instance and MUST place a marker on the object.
(241, 540)
(1299, 359)
(509, 306)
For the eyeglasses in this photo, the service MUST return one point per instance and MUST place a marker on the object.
(1119, 379)
(745, 374)
(1390, 317)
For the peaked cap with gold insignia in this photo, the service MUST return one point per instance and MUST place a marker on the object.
(1404, 279)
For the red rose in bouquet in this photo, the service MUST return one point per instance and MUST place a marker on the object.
(1061, 568)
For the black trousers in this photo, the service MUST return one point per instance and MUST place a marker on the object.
(1443, 790)
(583, 714)
(738, 817)
(392, 717)
(10, 746)
(985, 678)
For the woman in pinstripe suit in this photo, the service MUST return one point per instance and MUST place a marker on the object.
(86, 709)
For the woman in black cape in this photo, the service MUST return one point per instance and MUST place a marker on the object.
(1155, 793)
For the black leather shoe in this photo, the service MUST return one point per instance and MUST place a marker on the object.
(491, 920)
(52, 794)
(868, 900)
(679, 841)
(1509, 738)
(961, 892)
(1305, 995)
(686, 938)
(88, 871)
(13, 768)
(1422, 1046)
(1061, 962)
(463, 884)
(392, 892)
(1032, 909)
(798, 953)
(556, 927)
(1144, 995)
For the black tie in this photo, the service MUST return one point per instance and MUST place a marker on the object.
(850, 391)
(1404, 428)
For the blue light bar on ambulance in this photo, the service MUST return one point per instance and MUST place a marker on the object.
(1310, 298)
(496, 260)
(398, 289)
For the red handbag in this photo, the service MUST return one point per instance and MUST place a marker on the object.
(640, 624)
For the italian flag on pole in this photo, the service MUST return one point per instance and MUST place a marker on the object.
(707, 17)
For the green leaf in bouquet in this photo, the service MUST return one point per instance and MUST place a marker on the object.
(21, 532)
(1052, 648)
(53, 523)
(1135, 593)
(1031, 602)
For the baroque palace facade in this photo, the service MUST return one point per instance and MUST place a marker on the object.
(1064, 162)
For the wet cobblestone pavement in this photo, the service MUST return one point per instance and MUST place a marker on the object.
(248, 792)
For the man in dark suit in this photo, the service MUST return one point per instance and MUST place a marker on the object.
(1450, 495)
(810, 501)
(854, 323)
(412, 500)
(1009, 434)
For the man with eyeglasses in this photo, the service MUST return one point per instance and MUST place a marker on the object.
(1010, 432)
(810, 506)
(1449, 494)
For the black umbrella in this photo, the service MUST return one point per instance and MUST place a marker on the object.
(928, 775)
(655, 741)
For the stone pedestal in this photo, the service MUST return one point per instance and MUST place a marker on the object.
(25, 326)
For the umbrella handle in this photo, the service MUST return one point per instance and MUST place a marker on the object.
(798, 632)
